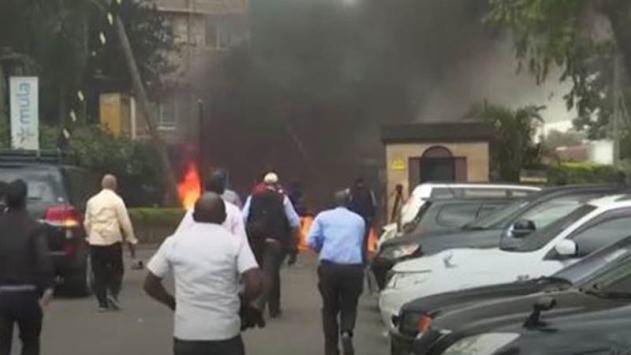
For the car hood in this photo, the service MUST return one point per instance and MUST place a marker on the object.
(601, 332)
(472, 260)
(489, 316)
(435, 304)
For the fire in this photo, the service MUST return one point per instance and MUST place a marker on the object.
(189, 189)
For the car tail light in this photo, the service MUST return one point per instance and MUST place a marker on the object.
(424, 323)
(63, 216)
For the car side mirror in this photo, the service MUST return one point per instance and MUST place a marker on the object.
(522, 228)
(567, 248)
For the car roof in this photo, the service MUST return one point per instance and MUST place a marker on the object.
(460, 199)
(425, 188)
(613, 201)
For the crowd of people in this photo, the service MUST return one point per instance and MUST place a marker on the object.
(225, 261)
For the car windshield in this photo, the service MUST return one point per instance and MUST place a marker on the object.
(44, 186)
(585, 269)
(616, 281)
(540, 238)
(496, 218)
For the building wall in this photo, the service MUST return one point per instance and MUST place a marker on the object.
(398, 157)
(204, 30)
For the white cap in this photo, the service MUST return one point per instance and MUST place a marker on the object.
(270, 178)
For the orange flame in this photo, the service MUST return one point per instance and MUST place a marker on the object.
(189, 189)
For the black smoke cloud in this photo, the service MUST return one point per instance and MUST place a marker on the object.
(307, 94)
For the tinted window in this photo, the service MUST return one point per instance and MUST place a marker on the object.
(606, 232)
(550, 211)
(44, 185)
(618, 279)
(498, 217)
(457, 215)
(606, 257)
(541, 237)
(488, 209)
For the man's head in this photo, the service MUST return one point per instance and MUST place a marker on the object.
(270, 178)
(109, 182)
(16, 194)
(342, 198)
(217, 182)
(210, 208)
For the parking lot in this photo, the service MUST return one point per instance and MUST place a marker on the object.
(73, 326)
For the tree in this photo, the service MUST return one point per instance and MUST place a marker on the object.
(513, 147)
(569, 34)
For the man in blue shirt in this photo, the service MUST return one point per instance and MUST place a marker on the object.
(337, 235)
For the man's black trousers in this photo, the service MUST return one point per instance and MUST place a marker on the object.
(340, 287)
(20, 308)
(107, 263)
(232, 346)
(270, 256)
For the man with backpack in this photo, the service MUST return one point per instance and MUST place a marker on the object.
(272, 226)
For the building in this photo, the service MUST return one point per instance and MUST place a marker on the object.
(445, 152)
(204, 31)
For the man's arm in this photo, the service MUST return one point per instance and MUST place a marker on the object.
(126, 226)
(155, 289)
(316, 236)
(246, 208)
(44, 266)
(253, 281)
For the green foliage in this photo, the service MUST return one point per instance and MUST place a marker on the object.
(561, 34)
(156, 216)
(513, 147)
(136, 164)
(584, 173)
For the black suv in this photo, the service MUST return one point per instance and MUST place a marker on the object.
(57, 196)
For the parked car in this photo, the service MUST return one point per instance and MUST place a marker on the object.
(437, 217)
(57, 195)
(535, 211)
(588, 228)
(435, 191)
(580, 320)
(415, 315)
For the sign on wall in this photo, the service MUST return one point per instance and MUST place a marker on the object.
(24, 93)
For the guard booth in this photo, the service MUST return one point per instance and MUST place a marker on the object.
(435, 152)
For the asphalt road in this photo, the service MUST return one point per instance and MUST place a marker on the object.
(72, 326)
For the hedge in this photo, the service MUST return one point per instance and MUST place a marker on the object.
(584, 173)
(156, 216)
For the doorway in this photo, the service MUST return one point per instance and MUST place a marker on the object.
(437, 164)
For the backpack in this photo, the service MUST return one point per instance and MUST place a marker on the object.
(266, 217)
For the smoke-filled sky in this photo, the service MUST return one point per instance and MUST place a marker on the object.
(318, 79)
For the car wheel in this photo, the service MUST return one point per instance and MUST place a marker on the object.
(82, 281)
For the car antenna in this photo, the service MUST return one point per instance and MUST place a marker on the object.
(542, 305)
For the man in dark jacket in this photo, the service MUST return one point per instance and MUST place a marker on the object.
(26, 277)
(272, 226)
(363, 203)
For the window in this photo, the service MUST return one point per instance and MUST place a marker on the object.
(606, 232)
(212, 32)
(167, 111)
(550, 211)
(489, 208)
(457, 215)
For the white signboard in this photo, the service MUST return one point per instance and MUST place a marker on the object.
(24, 113)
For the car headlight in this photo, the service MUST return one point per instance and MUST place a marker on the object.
(408, 279)
(414, 323)
(401, 251)
(483, 344)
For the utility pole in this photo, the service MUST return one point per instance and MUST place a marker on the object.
(616, 109)
(147, 114)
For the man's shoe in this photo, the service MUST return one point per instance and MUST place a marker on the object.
(347, 344)
(275, 313)
(113, 303)
(103, 309)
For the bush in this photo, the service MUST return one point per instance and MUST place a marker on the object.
(584, 173)
(135, 163)
(156, 216)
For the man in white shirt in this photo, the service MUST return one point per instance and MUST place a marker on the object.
(107, 225)
(234, 218)
(207, 263)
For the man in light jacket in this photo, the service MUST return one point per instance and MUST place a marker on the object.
(107, 226)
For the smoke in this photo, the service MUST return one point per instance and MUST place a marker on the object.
(309, 92)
